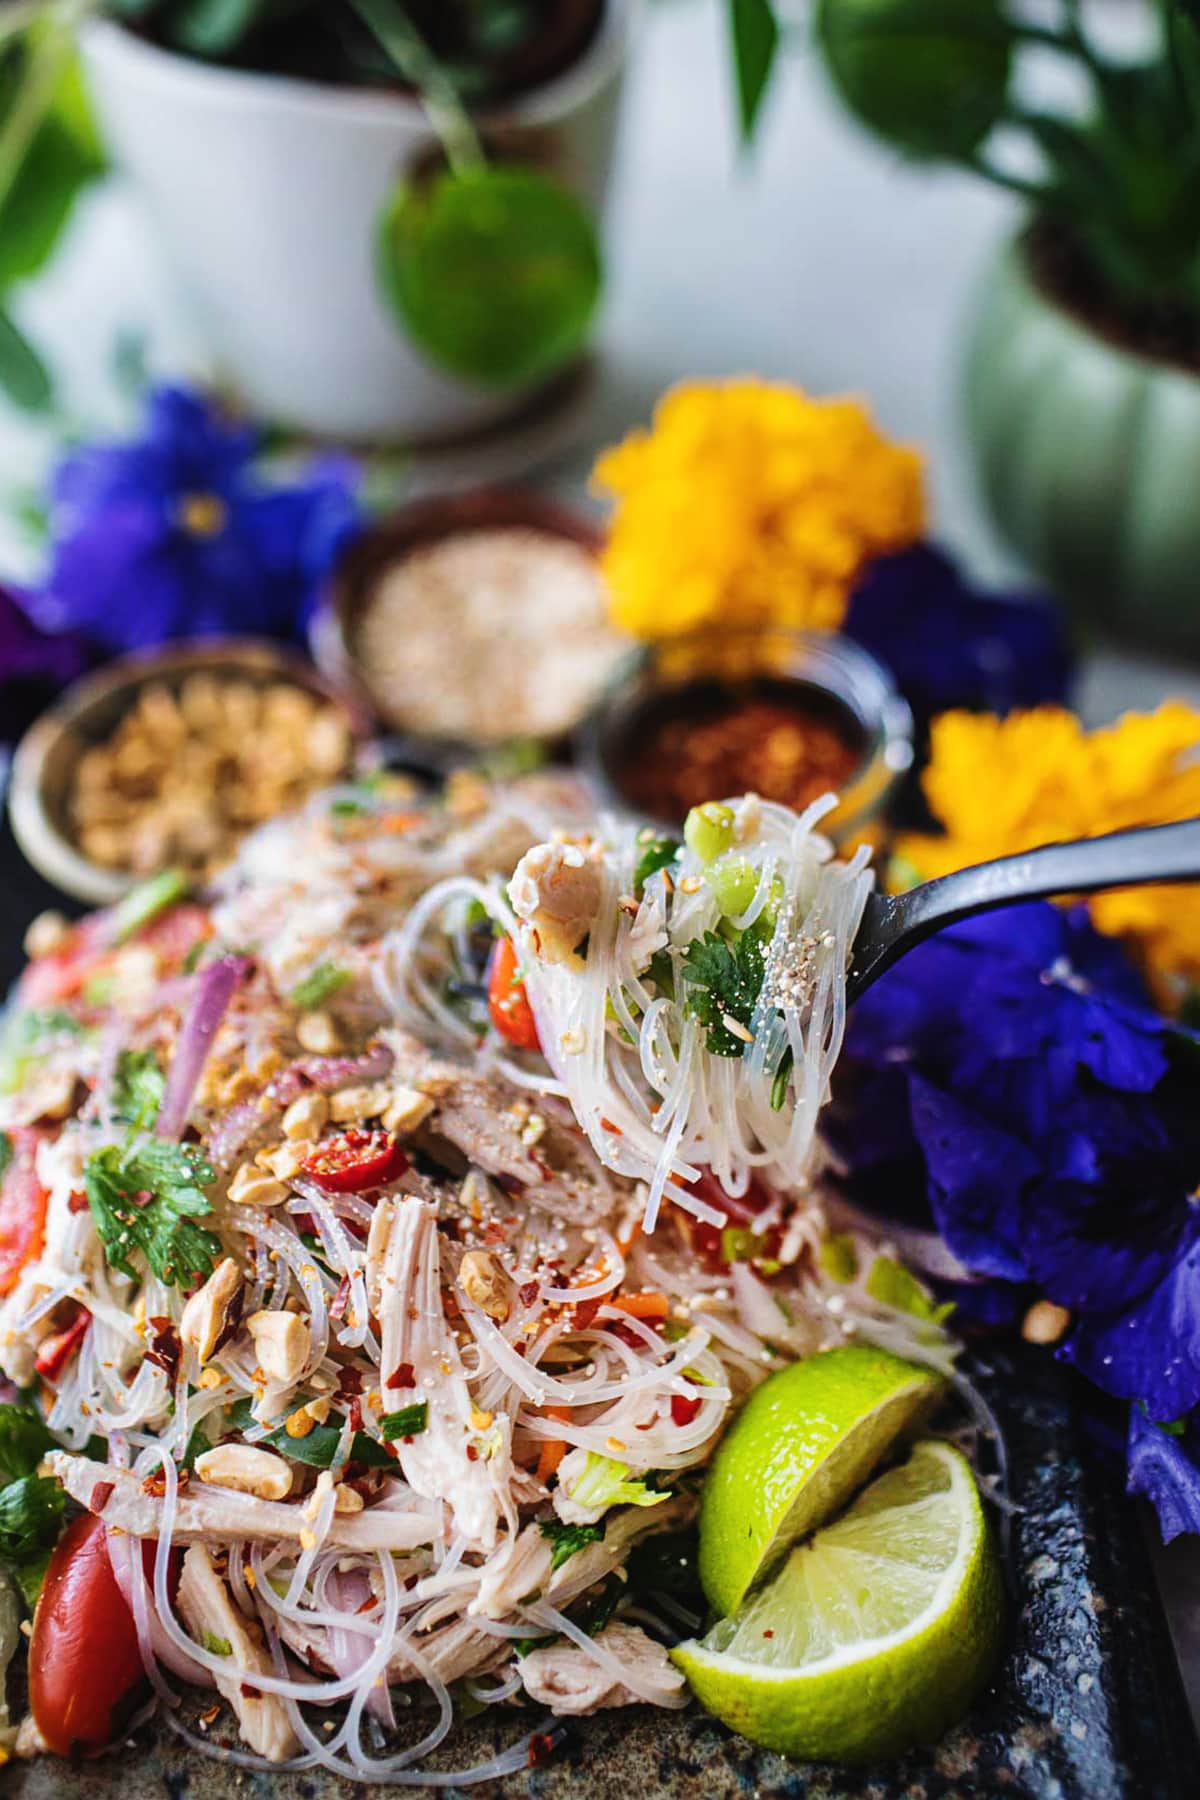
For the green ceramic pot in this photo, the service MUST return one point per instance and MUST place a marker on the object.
(1088, 457)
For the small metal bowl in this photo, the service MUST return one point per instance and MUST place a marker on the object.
(827, 665)
(335, 632)
(88, 713)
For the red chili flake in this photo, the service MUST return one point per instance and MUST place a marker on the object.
(355, 1415)
(156, 1485)
(350, 1382)
(768, 1634)
(250, 1693)
(528, 1292)
(584, 1313)
(410, 1582)
(165, 1349)
(684, 1409)
(472, 1452)
(100, 1496)
(393, 1450)
(402, 1376)
(77, 1201)
(493, 1233)
(541, 1748)
(341, 1300)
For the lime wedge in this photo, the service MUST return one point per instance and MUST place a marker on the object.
(800, 1447)
(875, 1635)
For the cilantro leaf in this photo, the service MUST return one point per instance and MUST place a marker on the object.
(725, 983)
(406, 1423)
(144, 1197)
(24, 1440)
(31, 1511)
(567, 1539)
(138, 1088)
(320, 984)
(656, 853)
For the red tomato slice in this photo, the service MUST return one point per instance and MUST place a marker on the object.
(508, 1003)
(61, 975)
(355, 1160)
(23, 1202)
(85, 1669)
(705, 1239)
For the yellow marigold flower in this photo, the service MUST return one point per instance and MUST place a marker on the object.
(748, 504)
(1000, 786)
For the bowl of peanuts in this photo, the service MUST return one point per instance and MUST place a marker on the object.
(168, 760)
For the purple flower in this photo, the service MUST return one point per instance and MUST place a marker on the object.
(177, 535)
(34, 666)
(948, 645)
(1164, 1465)
(1012, 1077)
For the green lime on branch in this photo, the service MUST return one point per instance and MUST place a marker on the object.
(930, 76)
(876, 1635)
(495, 271)
(803, 1443)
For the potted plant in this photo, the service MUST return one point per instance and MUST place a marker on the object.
(384, 210)
(1082, 372)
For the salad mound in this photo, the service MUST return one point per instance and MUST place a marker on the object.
(356, 1329)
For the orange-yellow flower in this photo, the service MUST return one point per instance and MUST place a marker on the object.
(747, 504)
(1000, 786)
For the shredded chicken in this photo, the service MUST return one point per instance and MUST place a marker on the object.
(557, 889)
(487, 1120)
(221, 1628)
(203, 1514)
(569, 1680)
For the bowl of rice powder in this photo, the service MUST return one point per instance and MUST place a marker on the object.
(473, 619)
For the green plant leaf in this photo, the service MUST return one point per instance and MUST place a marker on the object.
(930, 76)
(494, 270)
(24, 377)
(215, 28)
(755, 33)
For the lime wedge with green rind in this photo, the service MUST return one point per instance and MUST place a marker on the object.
(877, 1634)
(801, 1446)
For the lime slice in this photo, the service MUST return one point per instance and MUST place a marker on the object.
(802, 1445)
(875, 1635)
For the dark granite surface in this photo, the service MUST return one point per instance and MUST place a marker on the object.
(1087, 1706)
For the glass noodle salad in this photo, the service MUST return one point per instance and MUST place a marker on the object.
(386, 1236)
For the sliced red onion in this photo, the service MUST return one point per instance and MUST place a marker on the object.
(331, 1072)
(349, 1592)
(215, 988)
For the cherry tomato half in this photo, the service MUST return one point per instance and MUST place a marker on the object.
(355, 1160)
(85, 1669)
(508, 1003)
(23, 1202)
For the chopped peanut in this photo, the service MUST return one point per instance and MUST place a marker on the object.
(213, 1314)
(247, 1469)
(317, 1033)
(406, 1109)
(306, 1117)
(281, 1343)
(251, 1186)
(484, 1282)
(365, 1102)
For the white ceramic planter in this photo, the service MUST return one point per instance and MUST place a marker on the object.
(267, 192)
